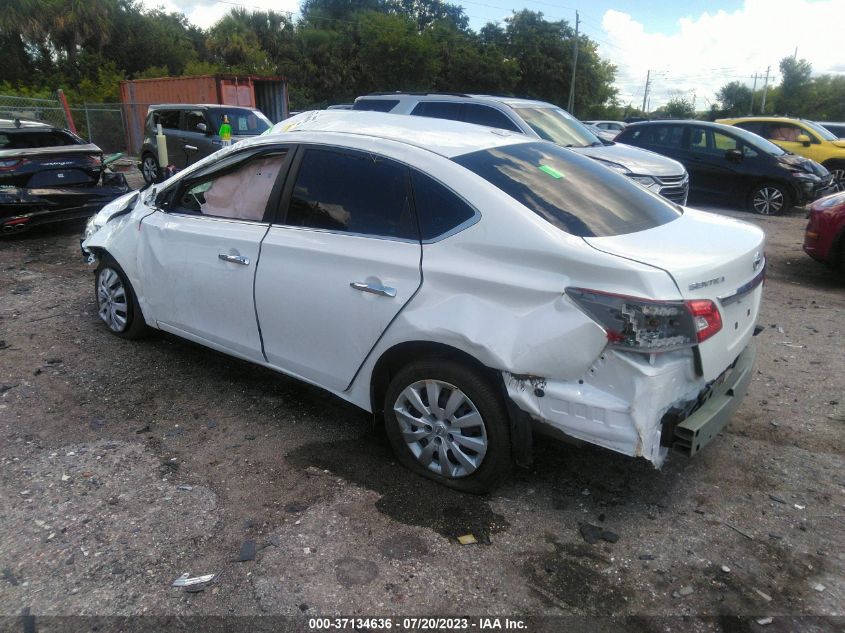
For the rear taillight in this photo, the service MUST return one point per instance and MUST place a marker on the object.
(8, 165)
(648, 326)
(706, 317)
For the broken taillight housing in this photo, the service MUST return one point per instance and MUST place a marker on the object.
(8, 165)
(648, 326)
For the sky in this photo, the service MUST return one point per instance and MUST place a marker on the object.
(691, 47)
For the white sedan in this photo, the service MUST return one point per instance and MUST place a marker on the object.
(463, 283)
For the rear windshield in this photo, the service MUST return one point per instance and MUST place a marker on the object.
(29, 139)
(244, 122)
(574, 193)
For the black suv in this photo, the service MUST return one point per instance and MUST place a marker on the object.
(728, 161)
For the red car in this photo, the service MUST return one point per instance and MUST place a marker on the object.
(824, 238)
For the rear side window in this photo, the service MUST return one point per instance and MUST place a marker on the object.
(438, 110)
(485, 115)
(572, 192)
(193, 119)
(354, 192)
(375, 105)
(661, 135)
(169, 119)
(757, 127)
(439, 210)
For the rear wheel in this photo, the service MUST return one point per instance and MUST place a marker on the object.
(149, 168)
(447, 422)
(117, 305)
(769, 199)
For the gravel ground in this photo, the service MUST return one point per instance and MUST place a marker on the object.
(127, 464)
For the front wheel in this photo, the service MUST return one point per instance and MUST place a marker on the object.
(769, 199)
(117, 304)
(837, 170)
(448, 422)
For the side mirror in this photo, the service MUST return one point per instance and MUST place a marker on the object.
(733, 155)
(804, 140)
(201, 127)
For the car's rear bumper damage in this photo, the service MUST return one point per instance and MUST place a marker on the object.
(637, 405)
(23, 208)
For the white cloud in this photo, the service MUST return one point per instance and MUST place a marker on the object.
(712, 49)
(204, 13)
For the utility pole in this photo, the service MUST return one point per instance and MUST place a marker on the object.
(765, 89)
(753, 90)
(574, 67)
(645, 92)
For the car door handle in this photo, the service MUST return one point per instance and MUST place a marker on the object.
(235, 259)
(375, 289)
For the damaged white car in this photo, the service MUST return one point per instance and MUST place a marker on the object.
(462, 283)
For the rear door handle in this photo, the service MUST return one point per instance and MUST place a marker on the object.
(235, 259)
(375, 289)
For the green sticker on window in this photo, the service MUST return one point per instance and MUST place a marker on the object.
(554, 173)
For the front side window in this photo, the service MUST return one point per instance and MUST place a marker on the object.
(240, 193)
(193, 119)
(438, 110)
(574, 193)
(352, 192)
(661, 135)
(438, 209)
(787, 132)
(712, 142)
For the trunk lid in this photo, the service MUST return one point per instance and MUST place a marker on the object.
(709, 257)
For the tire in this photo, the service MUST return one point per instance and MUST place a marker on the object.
(477, 462)
(117, 305)
(838, 171)
(149, 168)
(769, 198)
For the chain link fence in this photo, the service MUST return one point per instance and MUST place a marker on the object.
(47, 110)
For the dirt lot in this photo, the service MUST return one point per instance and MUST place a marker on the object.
(127, 464)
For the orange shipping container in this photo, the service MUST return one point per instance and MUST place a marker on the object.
(268, 94)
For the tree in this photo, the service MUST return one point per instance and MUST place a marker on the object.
(677, 108)
(795, 86)
(735, 99)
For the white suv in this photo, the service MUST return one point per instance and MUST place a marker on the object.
(540, 120)
(460, 282)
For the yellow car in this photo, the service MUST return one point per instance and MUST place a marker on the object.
(801, 137)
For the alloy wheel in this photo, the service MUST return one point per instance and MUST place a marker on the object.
(442, 427)
(112, 300)
(767, 200)
(838, 179)
(149, 169)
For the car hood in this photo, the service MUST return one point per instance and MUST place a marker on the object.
(794, 162)
(637, 161)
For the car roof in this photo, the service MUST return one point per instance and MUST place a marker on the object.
(515, 102)
(764, 119)
(11, 124)
(186, 106)
(710, 124)
(443, 137)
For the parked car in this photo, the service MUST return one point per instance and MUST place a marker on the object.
(802, 137)
(605, 136)
(610, 126)
(824, 239)
(837, 129)
(538, 119)
(730, 162)
(48, 174)
(191, 132)
(454, 280)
